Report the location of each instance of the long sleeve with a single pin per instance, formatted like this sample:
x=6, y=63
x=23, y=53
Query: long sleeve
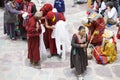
x=113, y=13
x=12, y=10
x=103, y=7
x=31, y=28
x=73, y=42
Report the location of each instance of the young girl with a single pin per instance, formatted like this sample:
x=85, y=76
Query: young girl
x=78, y=52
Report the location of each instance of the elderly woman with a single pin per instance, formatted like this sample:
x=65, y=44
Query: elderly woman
x=78, y=56
x=33, y=31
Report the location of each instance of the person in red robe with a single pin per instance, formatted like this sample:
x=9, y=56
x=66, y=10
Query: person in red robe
x=96, y=26
x=51, y=19
x=33, y=31
x=44, y=10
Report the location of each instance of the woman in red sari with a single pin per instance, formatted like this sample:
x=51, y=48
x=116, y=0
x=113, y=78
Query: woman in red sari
x=33, y=31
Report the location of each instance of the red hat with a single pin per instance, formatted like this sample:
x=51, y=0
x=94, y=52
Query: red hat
x=46, y=8
x=19, y=1
x=50, y=15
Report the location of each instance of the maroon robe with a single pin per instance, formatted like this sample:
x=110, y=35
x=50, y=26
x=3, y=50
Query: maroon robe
x=33, y=40
x=49, y=17
x=45, y=9
x=98, y=25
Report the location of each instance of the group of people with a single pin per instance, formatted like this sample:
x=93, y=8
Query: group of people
x=100, y=16
x=22, y=15
x=50, y=21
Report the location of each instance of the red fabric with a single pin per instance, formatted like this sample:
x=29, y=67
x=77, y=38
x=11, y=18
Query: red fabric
x=33, y=48
x=118, y=35
x=28, y=8
x=19, y=1
x=46, y=8
x=98, y=25
x=100, y=58
x=50, y=16
x=31, y=28
x=46, y=38
x=52, y=44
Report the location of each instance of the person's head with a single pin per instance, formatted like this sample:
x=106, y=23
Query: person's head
x=12, y=1
x=109, y=5
x=19, y=1
x=26, y=1
x=81, y=30
x=46, y=8
x=38, y=15
x=50, y=17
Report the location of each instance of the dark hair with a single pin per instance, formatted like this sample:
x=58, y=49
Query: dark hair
x=28, y=0
x=81, y=27
x=110, y=4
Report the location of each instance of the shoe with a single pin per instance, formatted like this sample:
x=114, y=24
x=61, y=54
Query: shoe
x=49, y=56
x=13, y=38
x=60, y=56
x=80, y=78
x=37, y=65
x=31, y=61
x=23, y=38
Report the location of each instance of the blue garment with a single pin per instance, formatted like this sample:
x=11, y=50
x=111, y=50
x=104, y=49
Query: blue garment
x=59, y=5
x=109, y=25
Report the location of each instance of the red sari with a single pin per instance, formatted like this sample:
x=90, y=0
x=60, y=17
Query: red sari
x=49, y=16
x=33, y=40
x=98, y=25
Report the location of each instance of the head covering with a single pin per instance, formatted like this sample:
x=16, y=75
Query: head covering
x=94, y=16
x=50, y=16
x=19, y=1
x=108, y=34
x=46, y=8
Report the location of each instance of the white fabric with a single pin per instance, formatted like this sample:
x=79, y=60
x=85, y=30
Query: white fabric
x=42, y=45
x=24, y=15
x=112, y=13
x=54, y=10
x=103, y=6
x=60, y=33
x=94, y=5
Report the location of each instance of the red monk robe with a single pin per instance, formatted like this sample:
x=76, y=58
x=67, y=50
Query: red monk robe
x=52, y=18
x=45, y=9
x=98, y=25
x=33, y=39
